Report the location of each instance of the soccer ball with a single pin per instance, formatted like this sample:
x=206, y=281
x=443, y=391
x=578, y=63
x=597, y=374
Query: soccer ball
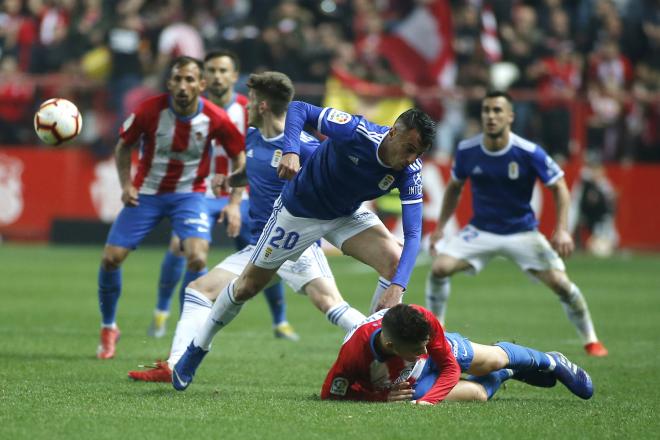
x=57, y=121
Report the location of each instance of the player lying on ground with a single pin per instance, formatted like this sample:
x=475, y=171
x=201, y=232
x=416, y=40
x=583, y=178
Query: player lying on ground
x=269, y=95
x=359, y=161
x=403, y=354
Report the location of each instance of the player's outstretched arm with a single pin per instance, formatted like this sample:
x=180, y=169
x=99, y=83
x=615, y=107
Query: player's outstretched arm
x=561, y=240
x=129, y=194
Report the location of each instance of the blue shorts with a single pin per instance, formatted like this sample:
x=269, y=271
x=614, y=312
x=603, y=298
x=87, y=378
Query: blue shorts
x=213, y=208
x=187, y=213
x=462, y=349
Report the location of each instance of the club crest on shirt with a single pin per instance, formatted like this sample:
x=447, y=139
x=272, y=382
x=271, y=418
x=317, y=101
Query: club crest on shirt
x=339, y=386
x=514, y=171
x=128, y=122
x=277, y=158
x=339, y=117
x=386, y=182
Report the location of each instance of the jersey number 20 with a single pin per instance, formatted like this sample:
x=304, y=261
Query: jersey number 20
x=290, y=239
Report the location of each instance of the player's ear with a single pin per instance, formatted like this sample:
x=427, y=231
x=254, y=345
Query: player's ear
x=202, y=84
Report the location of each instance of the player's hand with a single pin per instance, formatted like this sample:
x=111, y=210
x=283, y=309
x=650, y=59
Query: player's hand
x=390, y=298
x=400, y=392
x=562, y=242
x=289, y=166
x=435, y=237
x=422, y=403
x=129, y=196
x=219, y=184
x=232, y=213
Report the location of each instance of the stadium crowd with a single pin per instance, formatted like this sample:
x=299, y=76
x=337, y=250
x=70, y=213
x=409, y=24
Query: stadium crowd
x=584, y=66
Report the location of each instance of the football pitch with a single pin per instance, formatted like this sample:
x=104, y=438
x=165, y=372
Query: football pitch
x=252, y=386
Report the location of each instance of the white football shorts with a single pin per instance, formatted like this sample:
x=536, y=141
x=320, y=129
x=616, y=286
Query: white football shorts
x=285, y=237
x=529, y=250
x=311, y=265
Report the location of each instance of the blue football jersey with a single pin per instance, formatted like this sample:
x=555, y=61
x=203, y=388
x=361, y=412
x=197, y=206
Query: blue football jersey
x=502, y=182
x=345, y=170
x=263, y=156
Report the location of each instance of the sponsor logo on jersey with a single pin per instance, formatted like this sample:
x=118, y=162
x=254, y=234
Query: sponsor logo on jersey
x=338, y=117
x=514, y=170
x=128, y=122
x=354, y=159
x=386, y=182
x=250, y=153
x=477, y=170
x=339, y=386
x=277, y=158
x=199, y=136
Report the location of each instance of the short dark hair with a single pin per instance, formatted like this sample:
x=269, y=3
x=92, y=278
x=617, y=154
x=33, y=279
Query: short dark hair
x=406, y=324
x=420, y=121
x=274, y=87
x=217, y=53
x=184, y=61
x=499, y=94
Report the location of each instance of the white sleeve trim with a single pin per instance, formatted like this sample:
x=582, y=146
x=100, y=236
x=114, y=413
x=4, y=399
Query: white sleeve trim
x=554, y=179
x=411, y=202
x=318, y=123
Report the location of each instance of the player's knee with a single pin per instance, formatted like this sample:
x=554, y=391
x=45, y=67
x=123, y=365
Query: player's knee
x=480, y=394
x=112, y=260
x=440, y=269
x=197, y=262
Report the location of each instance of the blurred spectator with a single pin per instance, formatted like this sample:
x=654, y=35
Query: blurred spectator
x=559, y=78
x=181, y=37
x=644, y=119
x=18, y=33
x=594, y=201
x=17, y=95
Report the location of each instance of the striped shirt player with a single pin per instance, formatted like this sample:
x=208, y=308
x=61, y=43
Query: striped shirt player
x=361, y=373
x=174, y=162
x=237, y=112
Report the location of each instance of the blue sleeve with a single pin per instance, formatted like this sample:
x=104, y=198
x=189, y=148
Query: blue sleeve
x=298, y=114
x=307, y=147
x=412, y=236
x=457, y=168
x=546, y=168
x=410, y=188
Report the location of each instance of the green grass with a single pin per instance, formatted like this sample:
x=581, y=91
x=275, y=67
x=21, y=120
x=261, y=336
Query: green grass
x=253, y=386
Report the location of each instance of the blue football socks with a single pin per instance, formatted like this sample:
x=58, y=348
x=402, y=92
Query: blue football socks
x=109, y=291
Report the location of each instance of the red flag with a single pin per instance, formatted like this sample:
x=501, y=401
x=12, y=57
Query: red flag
x=420, y=49
x=489, y=40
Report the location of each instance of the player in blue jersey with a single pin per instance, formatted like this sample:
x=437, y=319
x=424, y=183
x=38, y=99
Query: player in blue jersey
x=503, y=168
x=358, y=161
x=221, y=69
x=270, y=93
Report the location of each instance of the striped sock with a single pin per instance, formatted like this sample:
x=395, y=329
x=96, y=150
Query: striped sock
x=196, y=308
x=344, y=316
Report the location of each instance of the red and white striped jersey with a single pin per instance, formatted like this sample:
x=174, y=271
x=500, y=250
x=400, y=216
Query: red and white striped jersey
x=175, y=151
x=237, y=112
x=360, y=374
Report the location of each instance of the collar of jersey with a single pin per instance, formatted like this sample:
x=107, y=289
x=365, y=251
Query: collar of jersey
x=200, y=107
x=378, y=148
x=372, y=344
x=273, y=139
x=232, y=101
x=499, y=152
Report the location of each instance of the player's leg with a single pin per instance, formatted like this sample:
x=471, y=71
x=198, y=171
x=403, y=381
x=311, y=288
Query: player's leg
x=109, y=290
x=311, y=275
x=467, y=391
x=364, y=237
x=533, y=253
x=171, y=270
x=576, y=308
x=438, y=285
x=192, y=223
x=284, y=237
x=129, y=228
x=469, y=250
